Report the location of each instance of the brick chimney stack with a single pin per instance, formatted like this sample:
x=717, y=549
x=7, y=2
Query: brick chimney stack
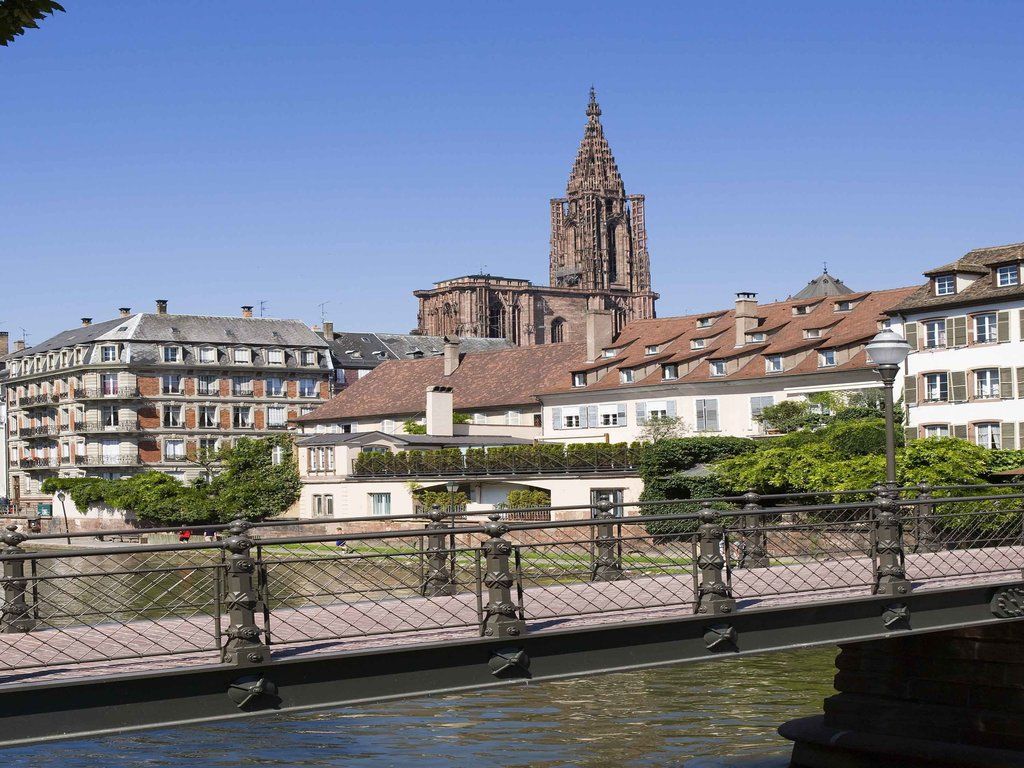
x=86, y=321
x=328, y=330
x=746, y=315
x=125, y=311
x=246, y=310
x=19, y=345
x=161, y=306
x=451, y=355
x=5, y=343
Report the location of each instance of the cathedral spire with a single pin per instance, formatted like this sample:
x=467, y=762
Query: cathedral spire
x=595, y=169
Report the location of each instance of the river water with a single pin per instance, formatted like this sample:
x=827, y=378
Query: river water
x=719, y=713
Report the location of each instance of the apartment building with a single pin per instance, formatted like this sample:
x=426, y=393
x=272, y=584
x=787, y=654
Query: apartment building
x=154, y=390
x=965, y=374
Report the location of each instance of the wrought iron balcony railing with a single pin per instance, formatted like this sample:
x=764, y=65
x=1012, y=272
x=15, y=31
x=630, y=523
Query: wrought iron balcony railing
x=91, y=426
x=110, y=460
x=36, y=463
x=100, y=393
x=45, y=430
x=34, y=401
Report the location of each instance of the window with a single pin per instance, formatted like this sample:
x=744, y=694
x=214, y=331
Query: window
x=936, y=430
x=275, y=357
x=172, y=354
x=610, y=352
x=320, y=459
x=934, y=334
x=579, y=379
x=670, y=371
x=241, y=386
x=570, y=418
x=756, y=336
x=275, y=387
x=207, y=385
x=172, y=416
x=108, y=353
x=812, y=333
x=208, y=417
x=108, y=383
x=170, y=384
x=773, y=364
x=277, y=455
x=174, y=450
x=626, y=376
x=657, y=409
x=241, y=355
x=557, y=330
x=207, y=355
x=276, y=416
x=698, y=343
x=208, y=446
x=380, y=503
x=986, y=329
x=1008, y=275
x=801, y=310
x=387, y=426
x=512, y=418
x=242, y=417
x=479, y=418
x=945, y=285
x=611, y=415
x=826, y=358
x=717, y=367
x=986, y=383
x=307, y=387
x=707, y=415
x=758, y=404
x=704, y=322
x=323, y=505
x=989, y=435
x=110, y=416
x=936, y=387
x=308, y=357
x=651, y=349
x=844, y=306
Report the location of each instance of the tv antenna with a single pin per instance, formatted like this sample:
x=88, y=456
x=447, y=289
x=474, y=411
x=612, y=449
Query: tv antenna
x=323, y=311
x=263, y=306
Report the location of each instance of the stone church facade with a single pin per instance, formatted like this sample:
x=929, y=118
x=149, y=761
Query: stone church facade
x=598, y=262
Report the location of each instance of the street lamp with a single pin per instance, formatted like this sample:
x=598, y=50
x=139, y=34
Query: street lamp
x=60, y=497
x=452, y=487
x=887, y=351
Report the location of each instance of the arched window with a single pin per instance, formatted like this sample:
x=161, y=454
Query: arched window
x=557, y=330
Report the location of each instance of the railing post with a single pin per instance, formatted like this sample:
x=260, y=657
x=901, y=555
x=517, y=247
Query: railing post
x=607, y=561
x=890, y=574
x=439, y=580
x=713, y=595
x=755, y=540
x=927, y=540
x=244, y=647
x=500, y=618
x=16, y=616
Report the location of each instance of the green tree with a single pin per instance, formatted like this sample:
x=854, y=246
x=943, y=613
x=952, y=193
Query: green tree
x=18, y=15
x=250, y=485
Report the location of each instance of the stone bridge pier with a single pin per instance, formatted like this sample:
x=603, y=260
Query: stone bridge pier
x=943, y=699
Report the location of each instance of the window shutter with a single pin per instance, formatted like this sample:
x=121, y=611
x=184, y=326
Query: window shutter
x=591, y=416
x=1020, y=382
x=1009, y=434
x=556, y=418
x=960, y=431
x=910, y=390
x=958, y=386
x=712, y=415
x=950, y=332
x=960, y=331
x=701, y=421
x=1020, y=319
x=621, y=414
x=670, y=408
x=910, y=332
x=1006, y=383
x=1003, y=326
x=909, y=433
x=641, y=413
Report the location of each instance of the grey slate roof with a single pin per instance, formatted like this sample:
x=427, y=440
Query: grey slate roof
x=367, y=350
x=821, y=286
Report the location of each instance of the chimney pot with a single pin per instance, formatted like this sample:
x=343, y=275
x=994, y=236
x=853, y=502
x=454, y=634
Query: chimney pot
x=246, y=310
x=86, y=321
x=161, y=306
x=125, y=311
x=451, y=354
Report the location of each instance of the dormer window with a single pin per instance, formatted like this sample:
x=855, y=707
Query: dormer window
x=812, y=333
x=826, y=358
x=308, y=357
x=773, y=364
x=172, y=354
x=705, y=322
x=801, y=310
x=241, y=355
x=579, y=379
x=626, y=376
x=612, y=352
x=275, y=356
x=717, y=367
x=945, y=285
x=108, y=353
x=670, y=371
x=698, y=343
x=207, y=355
x=844, y=306
x=757, y=336
x=1008, y=275
x=651, y=349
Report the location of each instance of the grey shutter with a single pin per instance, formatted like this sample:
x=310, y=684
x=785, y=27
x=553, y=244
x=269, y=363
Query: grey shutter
x=958, y=386
x=1003, y=326
x=960, y=431
x=1020, y=382
x=1008, y=431
x=960, y=331
x=591, y=416
x=909, y=433
x=641, y=413
x=1020, y=319
x=621, y=421
x=910, y=332
x=670, y=408
x=910, y=390
x=1006, y=383
x=712, y=415
x=950, y=332
x=556, y=417
x=701, y=421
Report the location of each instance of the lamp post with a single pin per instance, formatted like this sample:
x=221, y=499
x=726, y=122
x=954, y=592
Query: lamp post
x=887, y=351
x=60, y=497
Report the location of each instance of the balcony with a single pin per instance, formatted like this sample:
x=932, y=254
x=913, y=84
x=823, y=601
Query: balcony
x=43, y=431
x=36, y=401
x=106, y=393
x=91, y=426
x=241, y=391
x=277, y=426
x=108, y=460
x=37, y=463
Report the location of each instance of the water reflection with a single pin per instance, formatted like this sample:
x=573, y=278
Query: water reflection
x=654, y=718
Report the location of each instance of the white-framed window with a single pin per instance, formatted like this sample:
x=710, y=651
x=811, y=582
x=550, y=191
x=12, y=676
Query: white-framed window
x=698, y=343
x=241, y=355
x=380, y=504
x=612, y=352
x=308, y=357
x=705, y=322
x=276, y=416
x=651, y=349
x=512, y=418
x=844, y=305
x=773, y=364
x=307, y=387
x=209, y=445
x=108, y=353
x=657, y=409
x=826, y=358
x=207, y=355
x=1008, y=275
x=172, y=416
x=670, y=371
x=611, y=415
x=579, y=379
x=986, y=383
x=936, y=430
x=989, y=435
x=242, y=417
x=479, y=418
x=707, y=415
x=275, y=386
x=934, y=334
x=171, y=384
x=207, y=385
x=277, y=455
x=174, y=450
x=986, y=328
x=945, y=285
x=626, y=376
x=241, y=386
x=108, y=383
x=323, y=505
x=172, y=354
x=570, y=418
x=387, y=426
x=758, y=403
x=803, y=309
x=717, y=367
x=208, y=418
x=110, y=416
x=275, y=356
x=756, y=336
x=936, y=387
x=812, y=333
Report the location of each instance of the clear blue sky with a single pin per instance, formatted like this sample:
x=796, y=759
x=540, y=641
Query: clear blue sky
x=217, y=154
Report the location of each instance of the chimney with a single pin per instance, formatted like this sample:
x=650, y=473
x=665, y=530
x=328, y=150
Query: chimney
x=86, y=321
x=161, y=306
x=19, y=345
x=246, y=310
x=599, y=332
x=440, y=421
x=328, y=330
x=746, y=315
x=451, y=355
x=125, y=311
x=5, y=342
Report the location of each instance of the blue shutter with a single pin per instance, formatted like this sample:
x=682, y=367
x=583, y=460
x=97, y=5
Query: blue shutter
x=592, y=416
x=670, y=408
x=556, y=418
x=622, y=414
x=641, y=413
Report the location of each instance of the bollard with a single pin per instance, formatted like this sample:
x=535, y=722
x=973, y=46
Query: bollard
x=608, y=557
x=244, y=647
x=890, y=574
x=500, y=617
x=713, y=595
x=927, y=540
x=755, y=543
x=16, y=616
x=439, y=580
